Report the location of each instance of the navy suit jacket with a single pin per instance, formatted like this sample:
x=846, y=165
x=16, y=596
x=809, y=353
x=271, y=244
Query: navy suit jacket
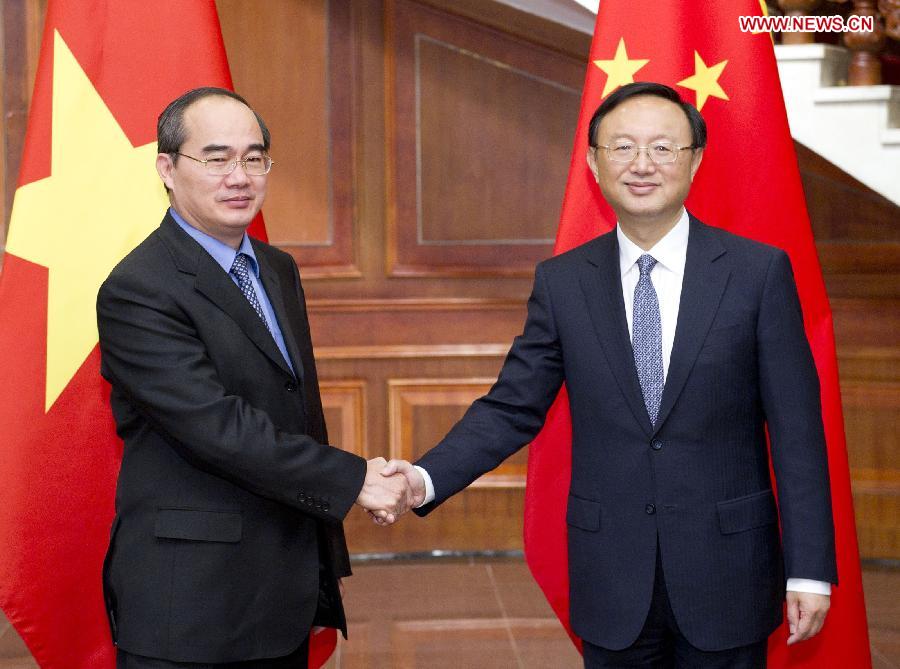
x=227, y=541
x=696, y=485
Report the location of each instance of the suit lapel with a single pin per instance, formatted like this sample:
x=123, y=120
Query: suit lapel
x=272, y=283
x=701, y=291
x=217, y=286
x=601, y=283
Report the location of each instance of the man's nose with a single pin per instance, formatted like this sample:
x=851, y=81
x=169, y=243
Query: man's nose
x=238, y=175
x=642, y=162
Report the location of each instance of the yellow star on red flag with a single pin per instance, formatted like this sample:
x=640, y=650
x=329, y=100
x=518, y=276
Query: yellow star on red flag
x=620, y=70
x=705, y=81
x=102, y=197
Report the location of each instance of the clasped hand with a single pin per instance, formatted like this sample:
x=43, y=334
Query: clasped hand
x=390, y=489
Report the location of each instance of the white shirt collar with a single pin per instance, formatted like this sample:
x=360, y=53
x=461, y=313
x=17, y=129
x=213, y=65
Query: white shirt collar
x=670, y=251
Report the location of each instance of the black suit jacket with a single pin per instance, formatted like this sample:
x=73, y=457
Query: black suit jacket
x=697, y=483
x=227, y=537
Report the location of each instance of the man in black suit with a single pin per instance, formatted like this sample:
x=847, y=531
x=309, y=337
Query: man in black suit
x=227, y=545
x=680, y=345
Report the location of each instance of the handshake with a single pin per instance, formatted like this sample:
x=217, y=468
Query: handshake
x=390, y=490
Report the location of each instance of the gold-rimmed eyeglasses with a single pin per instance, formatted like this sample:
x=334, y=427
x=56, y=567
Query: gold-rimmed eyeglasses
x=661, y=153
x=255, y=165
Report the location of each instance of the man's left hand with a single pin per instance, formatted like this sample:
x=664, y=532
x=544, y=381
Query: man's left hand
x=806, y=614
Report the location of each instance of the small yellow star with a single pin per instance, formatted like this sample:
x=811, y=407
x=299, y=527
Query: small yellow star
x=764, y=8
x=620, y=70
x=705, y=81
x=102, y=197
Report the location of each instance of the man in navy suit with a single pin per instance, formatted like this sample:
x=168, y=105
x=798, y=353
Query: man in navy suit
x=680, y=345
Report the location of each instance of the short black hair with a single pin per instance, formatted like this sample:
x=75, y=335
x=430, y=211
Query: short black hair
x=628, y=91
x=170, y=133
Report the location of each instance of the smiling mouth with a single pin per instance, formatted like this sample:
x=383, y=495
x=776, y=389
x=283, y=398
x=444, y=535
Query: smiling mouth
x=641, y=187
x=238, y=201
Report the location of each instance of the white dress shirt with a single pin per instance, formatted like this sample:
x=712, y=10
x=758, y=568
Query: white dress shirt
x=667, y=277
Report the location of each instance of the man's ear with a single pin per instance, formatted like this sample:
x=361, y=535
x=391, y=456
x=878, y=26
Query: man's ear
x=592, y=163
x=696, y=159
x=165, y=168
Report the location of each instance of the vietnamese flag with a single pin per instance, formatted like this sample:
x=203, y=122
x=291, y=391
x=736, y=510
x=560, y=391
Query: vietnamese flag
x=749, y=184
x=88, y=193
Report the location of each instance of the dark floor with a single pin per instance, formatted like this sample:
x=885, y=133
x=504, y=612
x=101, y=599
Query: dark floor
x=485, y=613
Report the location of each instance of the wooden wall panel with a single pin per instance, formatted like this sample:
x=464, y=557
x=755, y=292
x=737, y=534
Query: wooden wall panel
x=11, y=644
x=479, y=122
x=438, y=384
x=429, y=322
x=22, y=24
x=422, y=411
x=480, y=129
x=305, y=101
x=344, y=405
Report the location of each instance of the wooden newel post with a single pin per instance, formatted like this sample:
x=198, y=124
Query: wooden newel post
x=798, y=8
x=890, y=10
x=865, y=66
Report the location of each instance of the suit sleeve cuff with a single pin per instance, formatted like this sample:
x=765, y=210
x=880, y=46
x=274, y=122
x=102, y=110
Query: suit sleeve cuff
x=429, y=487
x=808, y=585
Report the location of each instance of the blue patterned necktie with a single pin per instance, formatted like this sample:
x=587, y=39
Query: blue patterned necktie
x=241, y=271
x=646, y=338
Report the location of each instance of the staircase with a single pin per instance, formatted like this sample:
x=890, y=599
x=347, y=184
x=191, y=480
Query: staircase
x=857, y=128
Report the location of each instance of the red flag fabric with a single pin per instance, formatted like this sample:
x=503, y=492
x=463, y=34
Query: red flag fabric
x=88, y=193
x=749, y=184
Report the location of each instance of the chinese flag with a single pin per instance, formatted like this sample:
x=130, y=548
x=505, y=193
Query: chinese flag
x=749, y=184
x=88, y=193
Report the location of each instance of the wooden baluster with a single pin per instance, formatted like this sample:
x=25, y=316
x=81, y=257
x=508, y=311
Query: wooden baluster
x=865, y=66
x=890, y=10
x=798, y=8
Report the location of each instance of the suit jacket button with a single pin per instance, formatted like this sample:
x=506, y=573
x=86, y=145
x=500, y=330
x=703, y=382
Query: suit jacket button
x=301, y=496
x=650, y=509
x=290, y=386
x=656, y=444
x=325, y=506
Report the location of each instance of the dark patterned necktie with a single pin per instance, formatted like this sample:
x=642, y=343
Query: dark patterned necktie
x=646, y=338
x=241, y=271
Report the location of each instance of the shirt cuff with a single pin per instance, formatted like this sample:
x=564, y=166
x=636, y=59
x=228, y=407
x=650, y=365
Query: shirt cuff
x=808, y=585
x=429, y=487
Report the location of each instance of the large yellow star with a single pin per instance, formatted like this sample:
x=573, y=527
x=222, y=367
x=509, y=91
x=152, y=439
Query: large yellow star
x=705, y=80
x=102, y=197
x=620, y=70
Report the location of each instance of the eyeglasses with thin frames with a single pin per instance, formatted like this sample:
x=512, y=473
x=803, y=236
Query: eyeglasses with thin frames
x=661, y=153
x=256, y=165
